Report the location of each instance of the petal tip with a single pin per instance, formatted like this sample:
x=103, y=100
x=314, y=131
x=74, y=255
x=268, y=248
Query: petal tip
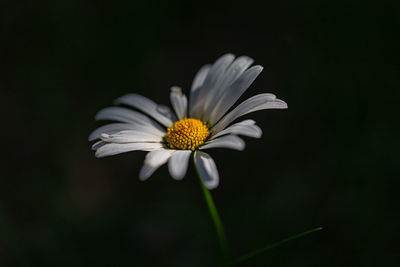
x=176, y=89
x=211, y=186
x=283, y=104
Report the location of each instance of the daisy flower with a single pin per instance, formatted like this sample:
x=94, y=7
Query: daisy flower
x=194, y=126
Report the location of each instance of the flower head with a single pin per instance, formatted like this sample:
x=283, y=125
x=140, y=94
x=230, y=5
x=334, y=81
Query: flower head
x=187, y=134
x=203, y=123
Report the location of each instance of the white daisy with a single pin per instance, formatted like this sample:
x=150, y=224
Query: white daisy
x=203, y=123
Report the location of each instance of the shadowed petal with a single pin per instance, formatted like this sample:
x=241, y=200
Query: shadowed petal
x=113, y=128
x=196, y=87
x=123, y=115
x=233, y=72
x=109, y=128
x=179, y=102
x=210, y=82
x=178, y=163
x=109, y=149
x=153, y=161
x=232, y=94
x=246, y=128
x=98, y=144
x=130, y=136
x=207, y=169
x=255, y=103
x=159, y=112
x=227, y=141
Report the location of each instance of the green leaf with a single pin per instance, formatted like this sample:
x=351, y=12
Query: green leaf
x=262, y=250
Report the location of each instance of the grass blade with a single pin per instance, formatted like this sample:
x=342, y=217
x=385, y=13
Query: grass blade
x=257, y=252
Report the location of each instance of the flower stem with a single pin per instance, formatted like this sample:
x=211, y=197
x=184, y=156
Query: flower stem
x=216, y=220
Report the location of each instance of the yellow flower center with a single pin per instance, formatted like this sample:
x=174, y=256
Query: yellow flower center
x=186, y=134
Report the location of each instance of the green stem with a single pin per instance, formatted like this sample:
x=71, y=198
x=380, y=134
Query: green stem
x=264, y=249
x=216, y=220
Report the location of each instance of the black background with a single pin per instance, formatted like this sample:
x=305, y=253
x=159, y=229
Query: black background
x=330, y=160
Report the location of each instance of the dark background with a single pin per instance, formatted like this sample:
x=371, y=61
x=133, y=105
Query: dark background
x=330, y=160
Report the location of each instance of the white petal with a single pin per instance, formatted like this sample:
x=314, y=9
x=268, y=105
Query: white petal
x=128, y=116
x=178, y=163
x=232, y=94
x=146, y=171
x=153, y=161
x=255, y=103
x=207, y=169
x=179, y=102
x=227, y=141
x=196, y=86
x=157, y=157
x=121, y=114
x=130, y=136
x=110, y=149
x=246, y=128
x=216, y=72
x=159, y=112
x=118, y=127
x=98, y=144
x=108, y=128
x=234, y=71
x=210, y=82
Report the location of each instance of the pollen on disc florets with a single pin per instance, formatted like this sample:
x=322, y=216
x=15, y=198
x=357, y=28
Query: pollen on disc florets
x=187, y=134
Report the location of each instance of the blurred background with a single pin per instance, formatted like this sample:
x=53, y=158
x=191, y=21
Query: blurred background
x=330, y=160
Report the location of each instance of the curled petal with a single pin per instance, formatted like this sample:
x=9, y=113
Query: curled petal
x=207, y=169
